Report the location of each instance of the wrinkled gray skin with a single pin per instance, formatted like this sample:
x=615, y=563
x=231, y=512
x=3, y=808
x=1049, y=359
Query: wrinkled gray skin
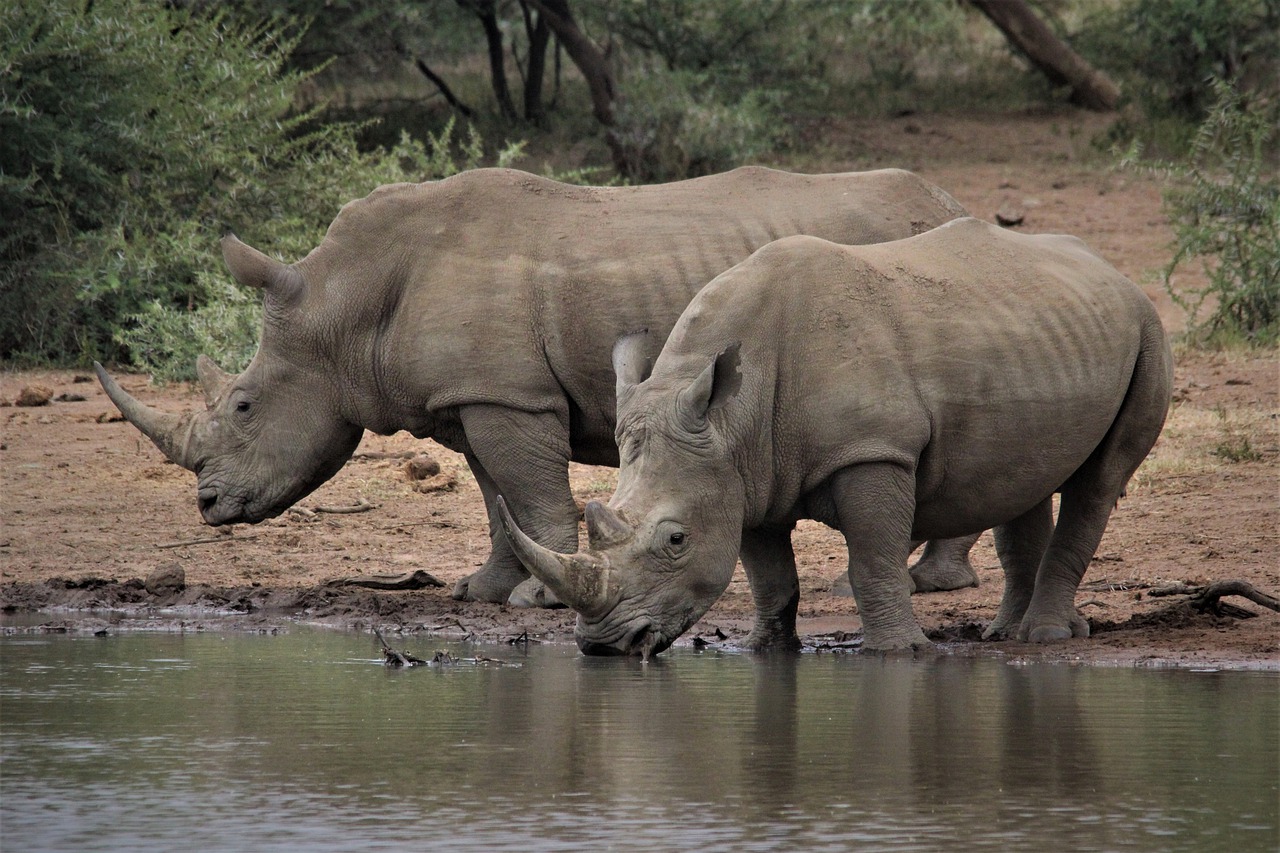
x=920, y=389
x=480, y=311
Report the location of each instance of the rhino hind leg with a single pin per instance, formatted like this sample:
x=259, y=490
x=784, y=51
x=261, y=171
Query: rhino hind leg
x=1020, y=545
x=1091, y=493
x=525, y=458
x=875, y=504
x=770, y=565
x=944, y=565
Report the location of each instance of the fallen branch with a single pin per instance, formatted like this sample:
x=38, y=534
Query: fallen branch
x=1207, y=598
x=447, y=524
x=395, y=657
x=385, y=454
x=361, y=505
x=206, y=540
x=419, y=579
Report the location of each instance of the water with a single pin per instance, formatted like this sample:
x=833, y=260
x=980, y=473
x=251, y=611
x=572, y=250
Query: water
x=305, y=742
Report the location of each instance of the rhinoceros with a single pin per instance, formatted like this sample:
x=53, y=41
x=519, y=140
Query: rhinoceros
x=922, y=388
x=480, y=311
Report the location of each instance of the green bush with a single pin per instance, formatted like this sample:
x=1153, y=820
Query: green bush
x=133, y=135
x=1224, y=203
x=1165, y=53
x=675, y=125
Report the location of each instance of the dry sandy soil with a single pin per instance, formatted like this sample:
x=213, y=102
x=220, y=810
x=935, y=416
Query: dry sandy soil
x=88, y=506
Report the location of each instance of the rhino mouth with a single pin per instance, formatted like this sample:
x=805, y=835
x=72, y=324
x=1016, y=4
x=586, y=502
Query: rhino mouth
x=641, y=640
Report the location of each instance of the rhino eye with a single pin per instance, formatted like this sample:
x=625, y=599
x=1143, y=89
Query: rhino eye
x=242, y=406
x=677, y=538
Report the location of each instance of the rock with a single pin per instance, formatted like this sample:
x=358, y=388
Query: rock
x=1010, y=215
x=168, y=578
x=421, y=467
x=34, y=395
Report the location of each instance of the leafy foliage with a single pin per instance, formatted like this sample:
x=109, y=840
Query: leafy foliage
x=1224, y=201
x=1165, y=53
x=132, y=136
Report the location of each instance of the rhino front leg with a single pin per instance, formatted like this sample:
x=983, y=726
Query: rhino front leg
x=875, y=504
x=770, y=564
x=1020, y=545
x=525, y=458
x=944, y=565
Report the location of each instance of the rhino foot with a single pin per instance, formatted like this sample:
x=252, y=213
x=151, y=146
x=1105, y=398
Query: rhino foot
x=490, y=583
x=1053, y=631
x=772, y=638
x=533, y=593
x=945, y=566
x=903, y=639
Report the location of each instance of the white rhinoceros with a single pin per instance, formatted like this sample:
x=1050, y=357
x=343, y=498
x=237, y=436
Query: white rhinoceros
x=924, y=388
x=480, y=311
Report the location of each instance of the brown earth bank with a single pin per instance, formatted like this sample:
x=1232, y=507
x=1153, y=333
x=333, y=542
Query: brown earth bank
x=90, y=510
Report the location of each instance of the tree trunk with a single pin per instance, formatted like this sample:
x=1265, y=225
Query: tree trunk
x=593, y=64
x=1090, y=88
x=539, y=37
x=486, y=11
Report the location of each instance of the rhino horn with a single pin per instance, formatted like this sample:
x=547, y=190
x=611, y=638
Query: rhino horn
x=171, y=433
x=212, y=378
x=578, y=580
x=254, y=269
x=605, y=528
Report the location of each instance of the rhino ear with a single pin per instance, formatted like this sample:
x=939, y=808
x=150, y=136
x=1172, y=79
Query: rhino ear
x=254, y=269
x=715, y=386
x=631, y=360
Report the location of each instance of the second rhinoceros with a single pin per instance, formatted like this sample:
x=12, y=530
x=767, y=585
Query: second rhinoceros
x=929, y=387
x=480, y=311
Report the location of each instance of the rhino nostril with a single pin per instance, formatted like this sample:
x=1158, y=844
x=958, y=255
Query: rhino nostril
x=206, y=498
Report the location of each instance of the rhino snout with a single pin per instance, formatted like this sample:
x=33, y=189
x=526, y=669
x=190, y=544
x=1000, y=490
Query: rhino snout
x=641, y=641
x=218, y=508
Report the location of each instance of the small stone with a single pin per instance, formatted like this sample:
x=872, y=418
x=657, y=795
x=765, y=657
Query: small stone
x=1010, y=215
x=168, y=578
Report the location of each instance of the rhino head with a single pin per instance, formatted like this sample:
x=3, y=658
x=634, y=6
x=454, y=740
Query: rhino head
x=664, y=549
x=269, y=436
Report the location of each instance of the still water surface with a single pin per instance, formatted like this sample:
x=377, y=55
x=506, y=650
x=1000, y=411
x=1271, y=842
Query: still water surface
x=305, y=742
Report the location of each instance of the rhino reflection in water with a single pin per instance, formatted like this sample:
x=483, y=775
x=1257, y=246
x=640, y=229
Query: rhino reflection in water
x=929, y=387
x=480, y=311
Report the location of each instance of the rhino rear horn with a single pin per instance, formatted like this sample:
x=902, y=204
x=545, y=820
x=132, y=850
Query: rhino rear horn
x=171, y=433
x=605, y=528
x=579, y=580
x=213, y=379
x=254, y=269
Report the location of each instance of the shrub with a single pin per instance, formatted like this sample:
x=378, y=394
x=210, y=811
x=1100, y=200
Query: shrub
x=1224, y=203
x=1165, y=53
x=675, y=125
x=133, y=136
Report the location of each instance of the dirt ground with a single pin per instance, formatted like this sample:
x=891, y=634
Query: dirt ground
x=89, y=508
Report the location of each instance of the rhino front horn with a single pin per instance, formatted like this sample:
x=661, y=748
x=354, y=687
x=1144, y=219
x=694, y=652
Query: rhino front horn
x=579, y=580
x=170, y=433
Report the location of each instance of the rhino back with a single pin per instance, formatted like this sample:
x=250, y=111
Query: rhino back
x=988, y=361
x=500, y=286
